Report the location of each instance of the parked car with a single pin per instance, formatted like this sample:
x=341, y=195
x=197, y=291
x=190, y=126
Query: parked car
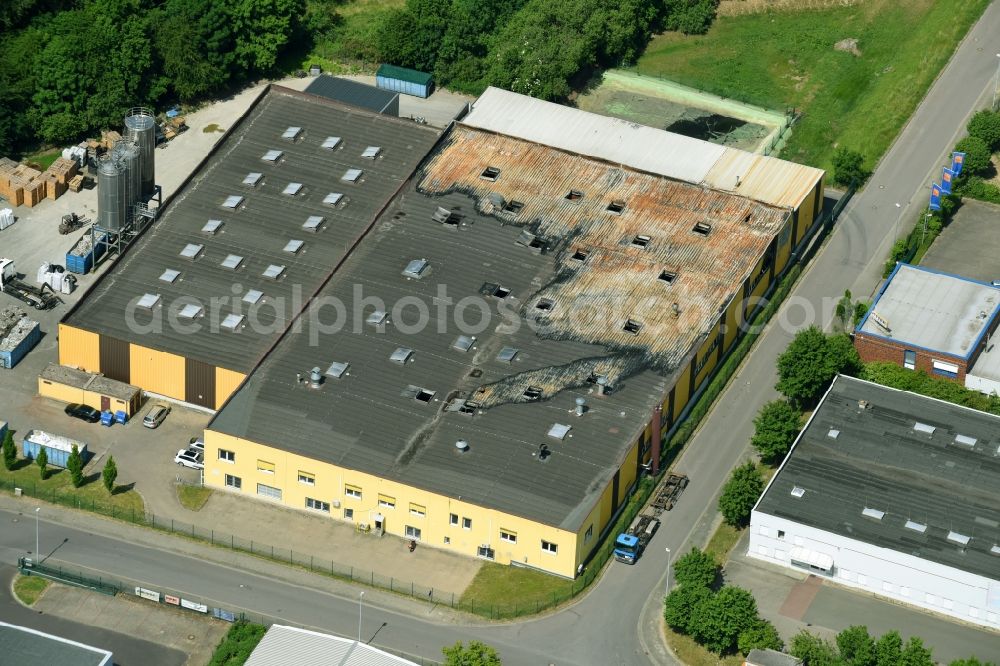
x=197, y=443
x=154, y=417
x=190, y=458
x=83, y=412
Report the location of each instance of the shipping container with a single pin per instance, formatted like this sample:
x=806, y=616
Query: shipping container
x=403, y=80
x=82, y=257
x=57, y=448
x=18, y=343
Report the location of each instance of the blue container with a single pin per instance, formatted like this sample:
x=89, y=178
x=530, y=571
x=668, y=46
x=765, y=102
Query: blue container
x=403, y=80
x=121, y=417
x=107, y=418
x=8, y=359
x=57, y=449
x=83, y=263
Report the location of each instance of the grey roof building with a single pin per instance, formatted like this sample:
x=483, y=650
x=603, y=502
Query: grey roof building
x=29, y=647
x=355, y=93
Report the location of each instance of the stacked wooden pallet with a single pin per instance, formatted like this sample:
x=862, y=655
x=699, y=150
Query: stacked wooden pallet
x=76, y=183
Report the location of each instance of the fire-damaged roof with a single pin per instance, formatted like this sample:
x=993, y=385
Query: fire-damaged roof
x=577, y=262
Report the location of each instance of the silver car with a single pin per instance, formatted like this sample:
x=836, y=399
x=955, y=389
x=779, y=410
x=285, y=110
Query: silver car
x=154, y=417
x=189, y=458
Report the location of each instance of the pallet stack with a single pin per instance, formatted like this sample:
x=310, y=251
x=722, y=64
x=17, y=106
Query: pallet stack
x=7, y=166
x=76, y=183
x=64, y=170
x=25, y=186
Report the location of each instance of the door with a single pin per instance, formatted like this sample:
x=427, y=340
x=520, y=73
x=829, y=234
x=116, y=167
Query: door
x=105, y=403
x=199, y=383
x=114, y=358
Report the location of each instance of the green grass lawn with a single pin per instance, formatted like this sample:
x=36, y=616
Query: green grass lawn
x=237, y=644
x=688, y=652
x=193, y=497
x=58, y=488
x=786, y=59
x=722, y=542
x=43, y=159
x=502, y=586
x=340, y=50
x=29, y=588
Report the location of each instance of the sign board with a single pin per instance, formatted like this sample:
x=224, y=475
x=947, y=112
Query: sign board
x=223, y=614
x=201, y=608
x=880, y=321
x=152, y=595
x=171, y=599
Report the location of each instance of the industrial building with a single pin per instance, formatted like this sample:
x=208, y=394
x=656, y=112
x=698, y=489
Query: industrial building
x=355, y=93
x=198, y=300
x=936, y=322
x=892, y=493
x=283, y=645
x=530, y=316
x=30, y=647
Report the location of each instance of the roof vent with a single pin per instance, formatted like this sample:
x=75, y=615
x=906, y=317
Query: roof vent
x=496, y=199
x=417, y=268
x=559, y=430
x=581, y=406
x=915, y=526
x=315, y=378
x=445, y=216
x=864, y=404
x=965, y=440
x=462, y=446
x=543, y=452
x=995, y=549
x=798, y=491
x=959, y=538
x=873, y=513
x=675, y=309
x=602, y=385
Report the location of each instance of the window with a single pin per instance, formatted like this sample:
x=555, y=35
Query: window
x=589, y=534
x=307, y=478
x=513, y=206
x=412, y=532
x=447, y=540
x=781, y=534
x=579, y=255
x=352, y=491
x=418, y=510
x=453, y=519
x=532, y=393
x=549, y=547
x=702, y=228
x=667, y=276
x=268, y=491
x=318, y=505
x=574, y=195
x=386, y=501
x=486, y=552
x=508, y=536
x=910, y=359
x=641, y=240
x=228, y=456
x=234, y=482
x=466, y=523
x=945, y=369
x=265, y=467
x=632, y=326
x=349, y=514
x=490, y=173
x=545, y=304
x=616, y=207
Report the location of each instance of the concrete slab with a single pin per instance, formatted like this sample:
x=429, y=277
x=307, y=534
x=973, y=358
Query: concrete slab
x=970, y=244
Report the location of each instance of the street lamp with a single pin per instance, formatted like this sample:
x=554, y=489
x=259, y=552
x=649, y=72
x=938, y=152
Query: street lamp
x=360, y=597
x=37, y=554
x=996, y=85
x=667, y=590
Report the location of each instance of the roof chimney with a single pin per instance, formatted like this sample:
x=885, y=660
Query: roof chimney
x=676, y=309
x=315, y=378
x=462, y=446
x=581, y=406
x=602, y=385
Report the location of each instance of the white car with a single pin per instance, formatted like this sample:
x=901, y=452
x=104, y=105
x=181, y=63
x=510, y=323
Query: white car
x=198, y=444
x=190, y=458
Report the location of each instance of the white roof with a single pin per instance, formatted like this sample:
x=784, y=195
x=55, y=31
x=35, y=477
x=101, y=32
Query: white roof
x=283, y=645
x=765, y=179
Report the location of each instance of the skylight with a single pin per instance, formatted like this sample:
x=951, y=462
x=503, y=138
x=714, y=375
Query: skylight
x=616, y=207
x=545, y=304
x=559, y=430
x=274, y=271
x=149, y=301
x=272, y=156
x=232, y=201
x=667, y=277
x=873, y=513
x=833, y=433
x=190, y=311
x=191, y=250
x=293, y=246
x=632, y=326
x=170, y=275
x=376, y=317
x=915, y=526
x=573, y=195
x=371, y=152
x=232, y=261
x=798, y=492
x=252, y=179
x=702, y=228
x=313, y=223
x=579, y=255
x=232, y=322
x=401, y=355
x=252, y=296
x=331, y=142
x=923, y=427
x=416, y=269
x=212, y=227
x=490, y=173
x=333, y=198
x=513, y=206
x=507, y=354
x=957, y=537
x=965, y=440
x=463, y=343
x=292, y=189
x=337, y=369
x=291, y=133
x=641, y=241
x=351, y=175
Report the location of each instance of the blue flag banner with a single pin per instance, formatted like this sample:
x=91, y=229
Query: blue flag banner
x=957, y=162
x=935, y=203
x=947, y=175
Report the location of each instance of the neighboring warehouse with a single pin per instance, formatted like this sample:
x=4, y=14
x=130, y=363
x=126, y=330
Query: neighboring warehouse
x=29, y=647
x=355, y=94
x=193, y=306
x=923, y=319
x=283, y=645
x=615, y=263
x=893, y=493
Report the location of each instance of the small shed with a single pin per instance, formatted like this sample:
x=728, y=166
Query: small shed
x=66, y=384
x=403, y=80
x=57, y=448
x=18, y=336
x=357, y=94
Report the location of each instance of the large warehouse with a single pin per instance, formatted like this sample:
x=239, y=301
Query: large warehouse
x=503, y=352
x=892, y=493
x=196, y=303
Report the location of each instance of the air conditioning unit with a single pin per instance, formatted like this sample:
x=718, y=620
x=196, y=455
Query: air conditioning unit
x=336, y=504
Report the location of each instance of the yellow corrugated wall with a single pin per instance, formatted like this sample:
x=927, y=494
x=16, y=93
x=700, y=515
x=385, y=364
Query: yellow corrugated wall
x=79, y=348
x=226, y=382
x=57, y=391
x=156, y=371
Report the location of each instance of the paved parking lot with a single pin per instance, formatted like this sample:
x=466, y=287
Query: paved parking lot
x=971, y=243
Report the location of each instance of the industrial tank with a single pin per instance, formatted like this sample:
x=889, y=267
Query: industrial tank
x=126, y=154
x=140, y=129
x=111, y=193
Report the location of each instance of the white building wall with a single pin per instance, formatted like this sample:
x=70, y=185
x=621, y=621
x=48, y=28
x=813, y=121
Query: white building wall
x=883, y=571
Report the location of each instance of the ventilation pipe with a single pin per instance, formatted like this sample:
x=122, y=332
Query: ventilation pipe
x=315, y=378
x=581, y=406
x=462, y=446
x=602, y=385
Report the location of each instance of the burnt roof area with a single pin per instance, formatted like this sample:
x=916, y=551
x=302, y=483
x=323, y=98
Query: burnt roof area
x=899, y=471
x=490, y=297
x=246, y=212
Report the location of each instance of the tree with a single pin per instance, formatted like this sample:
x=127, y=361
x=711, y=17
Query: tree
x=760, y=636
x=194, y=43
x=915, y=654
x=971, y=661
x=42, y=460
x=692, y=17
x=889, y=649
x=75, y=466
x=848, y=167
x=109, y=474
x=857, y=648
x=977, y=155
x=697, y=569
x=740, y=494
x=475, y=654
x=411, y=36
x=813, y=650
x=775, y=429
x=718, y=621
x=679, y=606
x=9, y=451
x=261, y=29
x=811, y=361
x=986, y=126
x=860, y=310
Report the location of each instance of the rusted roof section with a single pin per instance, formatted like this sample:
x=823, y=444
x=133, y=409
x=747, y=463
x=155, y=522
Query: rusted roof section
x=642, y=282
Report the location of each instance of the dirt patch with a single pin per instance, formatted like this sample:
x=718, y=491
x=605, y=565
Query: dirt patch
x=849, y=45
x=743, y=7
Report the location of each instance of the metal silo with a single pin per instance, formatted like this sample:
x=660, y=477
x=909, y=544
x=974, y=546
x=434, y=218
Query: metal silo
x=140, y=129
x=111, y=193
x=126, y=154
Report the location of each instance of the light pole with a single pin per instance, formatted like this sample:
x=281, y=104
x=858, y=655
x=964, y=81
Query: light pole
x=360, y=597
x=37, y=554
x=996, y=85
x=667, y=590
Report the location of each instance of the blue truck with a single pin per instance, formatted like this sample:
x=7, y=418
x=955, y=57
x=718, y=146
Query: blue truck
x=630, y=544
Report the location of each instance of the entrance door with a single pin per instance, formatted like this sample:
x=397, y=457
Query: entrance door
x=105, y=403
x=379, y=523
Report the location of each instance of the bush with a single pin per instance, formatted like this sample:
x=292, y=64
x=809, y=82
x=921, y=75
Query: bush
x=237, y=644
x=985, y=125
x=9, y=451
x=692, y=17
x=977, y=155
x=679, y=606
x=740, y=493
x=696, y=569
x=848, y=167
x=718, y=621
x=975, y=187
x=811, y=362
x=776, y=426
x=475, y=654
x=761, y=636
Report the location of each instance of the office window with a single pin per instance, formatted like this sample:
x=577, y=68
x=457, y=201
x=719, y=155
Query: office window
x=349, y=514
x=589, y=534
x=268, y=491
x=910, y=359
x=412, y=532
x=466, y=523
x=550, y=547
x=317, y=505
x=453, y=519
x=265, y=467
x=386, y=501
x=946, y=369
x=228, y=456
x=352, y=491
x=508, y=536
x=418, y=510
x=234, y=482
x=307, y=478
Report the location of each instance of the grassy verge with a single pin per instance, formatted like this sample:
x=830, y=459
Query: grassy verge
x=29, y=588
x=497, y=585
x=58, y=489
x=42, y=160
x=786, y=59
x=192, y=498
x=722, y=542
x=691, y=654
x=237, y=644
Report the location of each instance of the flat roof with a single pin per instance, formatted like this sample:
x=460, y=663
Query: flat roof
x=404, y=74
x=352, y=92
x=766, y=179
x=457, y=236
x=932, y=310
x=90, y=381
x=929, y=468
x=257, y=230
x=283, y=645
x=30, y=647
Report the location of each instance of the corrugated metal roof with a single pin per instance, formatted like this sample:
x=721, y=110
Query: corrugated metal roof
x=352, y=92
x=404, y=74
x=282, y=646
x=765, y=179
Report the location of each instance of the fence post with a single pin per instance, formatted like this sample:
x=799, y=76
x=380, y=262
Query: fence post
x=232, y=542
x=171, y=525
